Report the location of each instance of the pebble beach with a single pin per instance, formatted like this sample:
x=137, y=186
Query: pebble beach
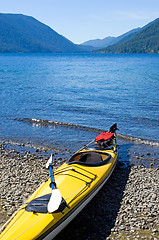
x=126, y=207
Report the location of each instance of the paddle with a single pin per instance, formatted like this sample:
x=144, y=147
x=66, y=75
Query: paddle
x=55, y=199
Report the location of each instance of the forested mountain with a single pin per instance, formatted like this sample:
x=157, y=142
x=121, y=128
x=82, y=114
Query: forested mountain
x=102, y=43
x=25, y=34
x=20, y=33
x=99, y=43
x=145, y=41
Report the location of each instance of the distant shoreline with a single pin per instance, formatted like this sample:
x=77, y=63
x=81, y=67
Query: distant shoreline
x=29, y=53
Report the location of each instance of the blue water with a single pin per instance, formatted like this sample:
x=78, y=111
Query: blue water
x=85, y=90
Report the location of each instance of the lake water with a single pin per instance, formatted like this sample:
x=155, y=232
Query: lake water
x=78, y=94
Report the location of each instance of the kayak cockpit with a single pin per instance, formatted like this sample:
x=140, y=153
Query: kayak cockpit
x=89, y=158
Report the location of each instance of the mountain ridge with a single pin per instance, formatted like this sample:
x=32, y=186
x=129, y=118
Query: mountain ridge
x=98, y=42
x=144, y=41
x=21, y=33
x=24, y=34
x=107, y=41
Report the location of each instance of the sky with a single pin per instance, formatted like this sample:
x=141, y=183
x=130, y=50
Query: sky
x=83, y=20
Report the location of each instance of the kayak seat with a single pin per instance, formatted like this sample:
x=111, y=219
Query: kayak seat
x=90, y=157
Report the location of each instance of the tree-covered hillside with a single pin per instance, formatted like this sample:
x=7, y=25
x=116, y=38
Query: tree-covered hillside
x=103, y=43
x=146, y=41
x=20, y=33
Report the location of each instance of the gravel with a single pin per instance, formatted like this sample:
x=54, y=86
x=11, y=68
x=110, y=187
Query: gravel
x=126, y=207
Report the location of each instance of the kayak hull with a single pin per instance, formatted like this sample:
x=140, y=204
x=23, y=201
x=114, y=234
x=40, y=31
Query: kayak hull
x=78, y=181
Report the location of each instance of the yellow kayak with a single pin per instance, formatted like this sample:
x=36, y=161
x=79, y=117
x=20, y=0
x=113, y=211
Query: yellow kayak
x=75, y=183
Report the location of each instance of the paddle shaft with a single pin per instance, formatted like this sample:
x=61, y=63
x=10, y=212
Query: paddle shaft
x=52, y=184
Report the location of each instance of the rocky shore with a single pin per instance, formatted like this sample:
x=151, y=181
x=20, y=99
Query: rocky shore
x=127, y=206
